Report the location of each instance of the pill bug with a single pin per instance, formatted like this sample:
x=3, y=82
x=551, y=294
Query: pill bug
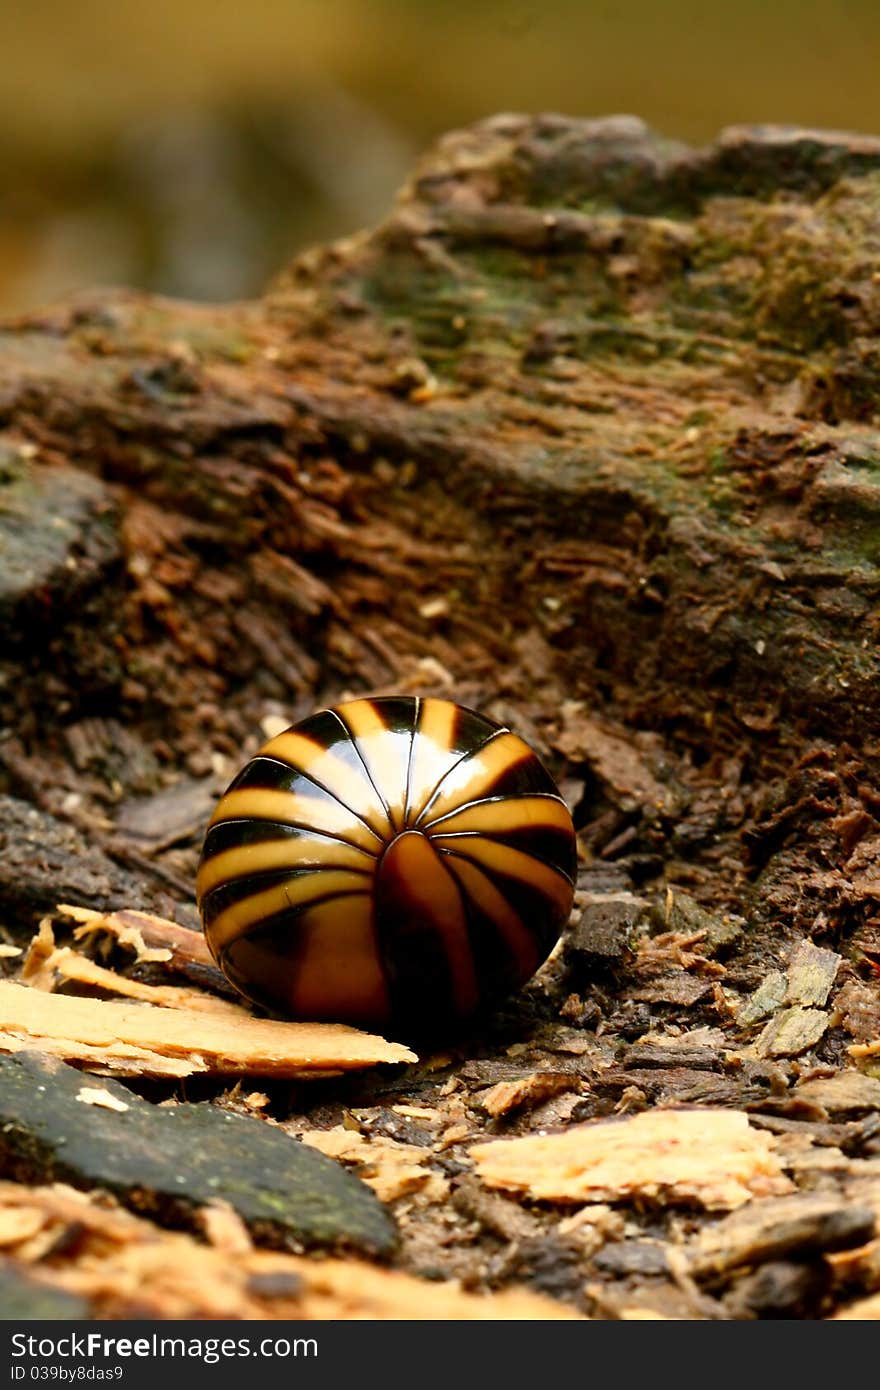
x=396, y=862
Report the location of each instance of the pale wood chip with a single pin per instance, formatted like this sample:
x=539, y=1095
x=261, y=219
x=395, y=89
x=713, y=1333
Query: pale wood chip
x=845, y=1091
x=154, y=938
x=643, y=1315
x=453, y=1134
x=859, y=1268
x=19, y=1224
x=37, y=970
x=128, y=1268
x=508, y=1096
x=66, y=964
x=224, y=1229
x=791, y=1031
x=598, y=1217
x=674, y=948
x=122, y=1060
x=811, y=973
x=865, y=1050
x=391, y=1168
x=710, y=1157
x=130, y=1038
x=8, y=952
x=95, y=1095
x=765, y=1000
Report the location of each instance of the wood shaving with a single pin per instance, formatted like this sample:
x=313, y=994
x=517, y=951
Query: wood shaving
x=508, y=1096
x=144, y=1040
x=128, y=1268
x=791, y=1031
x=392, y=1169
x=64, y=964
x=93, y=1095
x=153, y=938
x=712, y=1158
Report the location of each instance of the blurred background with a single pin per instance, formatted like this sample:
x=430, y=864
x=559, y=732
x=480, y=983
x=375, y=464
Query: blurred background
x=191, y=146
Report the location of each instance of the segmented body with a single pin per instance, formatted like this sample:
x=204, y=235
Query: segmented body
x=396, y=862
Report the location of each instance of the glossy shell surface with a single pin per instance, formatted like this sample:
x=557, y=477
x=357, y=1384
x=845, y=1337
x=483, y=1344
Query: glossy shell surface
x=391, y=863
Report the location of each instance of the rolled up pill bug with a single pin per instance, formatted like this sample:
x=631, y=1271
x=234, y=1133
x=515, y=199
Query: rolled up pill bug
x=397, y=863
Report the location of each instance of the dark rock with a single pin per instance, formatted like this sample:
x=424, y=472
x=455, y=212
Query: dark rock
x=167, y=1162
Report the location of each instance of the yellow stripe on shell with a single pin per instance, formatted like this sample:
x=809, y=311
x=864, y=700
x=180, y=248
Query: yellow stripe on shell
x=294, y=892
x=503, y=859
x=476, y=773
x=385, y=752
x=350, y=784
x=433, y=752
x=431, y=897
x=498, y=816
x=336, y=968
x=483, y=893
x=296, y=808
x=300, y=852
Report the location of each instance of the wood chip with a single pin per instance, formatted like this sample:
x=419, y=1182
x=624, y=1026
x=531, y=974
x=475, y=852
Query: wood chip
x=125, y=1267
x=675, y=988
x=765, y=1000
x=791, y=1032
x=802, y=1224
x=865, y=1052
x=528, y=1091
x=143, y=1040
x=710, y=1157
x=857, y=1009
x=65, y=964
x=859, y=1268
x=811, y=973
x=154, y=938
x=99, y=1095
x=392, y=1169
x=807, y=983
x=616, y=761
x=844, y=1092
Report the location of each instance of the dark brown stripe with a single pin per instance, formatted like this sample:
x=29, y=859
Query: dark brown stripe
x=545, y=916
x=419, y=906
x=549, y=846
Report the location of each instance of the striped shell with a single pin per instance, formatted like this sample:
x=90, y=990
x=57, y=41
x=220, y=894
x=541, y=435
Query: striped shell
x=395, y=862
